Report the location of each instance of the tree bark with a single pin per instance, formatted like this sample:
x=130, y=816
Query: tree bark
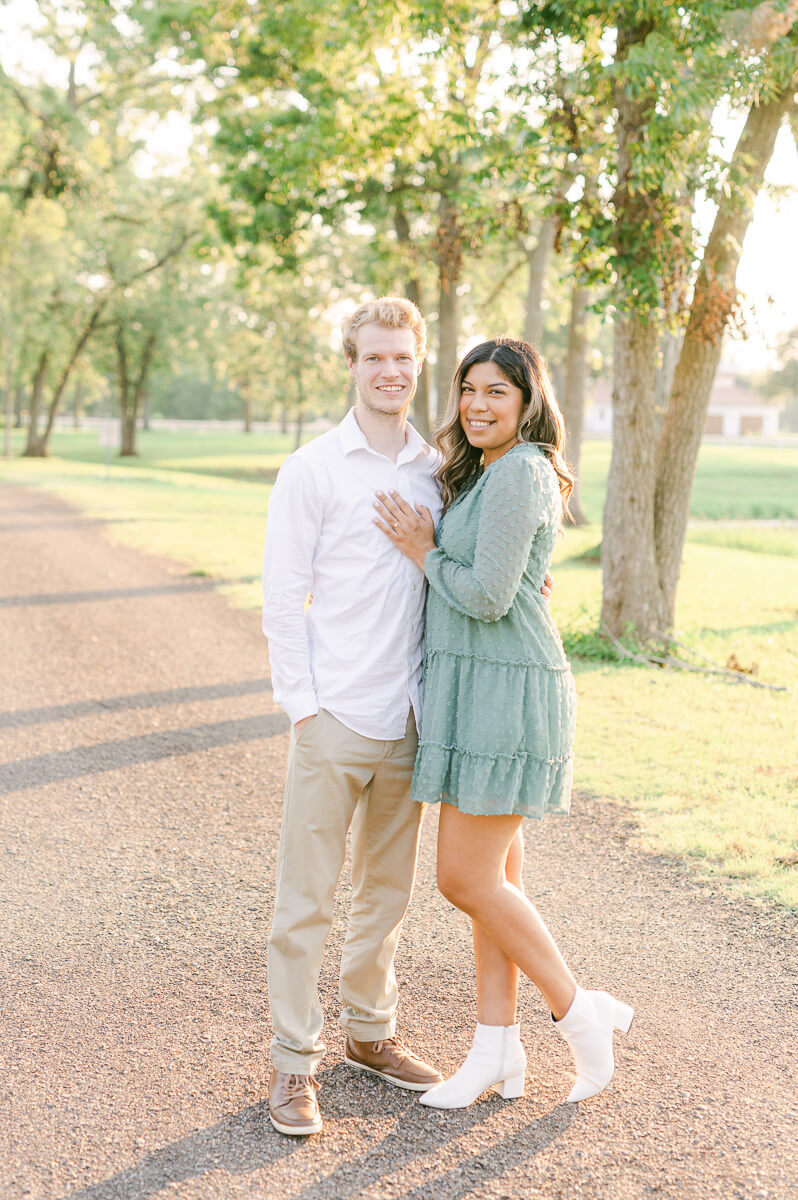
x=421, y=418
x=246, y=407
x=132, y=391
x=33, y=448
x=670, y=347
x=77, y=405
x=573, y=394
x=450, y=262
x=631, y=595
x=538, y=258
x=127, y=435
x=713, y=303
x=127, y=441
x=19, y=399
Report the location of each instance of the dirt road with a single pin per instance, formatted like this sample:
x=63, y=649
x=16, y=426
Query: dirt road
x=140, y=790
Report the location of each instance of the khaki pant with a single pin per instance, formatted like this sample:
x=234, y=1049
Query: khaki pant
x=337, y=778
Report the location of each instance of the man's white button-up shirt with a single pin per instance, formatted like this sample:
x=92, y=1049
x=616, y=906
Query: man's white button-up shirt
x=357, y=649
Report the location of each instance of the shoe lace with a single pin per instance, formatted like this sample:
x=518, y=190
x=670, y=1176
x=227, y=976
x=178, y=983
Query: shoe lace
x=394, y=1043
x=300, y=1085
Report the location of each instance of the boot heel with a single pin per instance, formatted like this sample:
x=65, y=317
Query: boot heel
x=511, y=1089
x=624, y=1015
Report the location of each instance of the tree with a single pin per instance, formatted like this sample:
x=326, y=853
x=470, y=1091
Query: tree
x=671, y=69
x=714, y=302
x=72, y=157
x=652, y=469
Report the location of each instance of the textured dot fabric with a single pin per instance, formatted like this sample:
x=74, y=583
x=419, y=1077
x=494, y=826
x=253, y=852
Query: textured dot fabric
x=499, y=696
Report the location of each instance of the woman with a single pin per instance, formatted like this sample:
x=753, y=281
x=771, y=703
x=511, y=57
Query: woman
x=497, y=733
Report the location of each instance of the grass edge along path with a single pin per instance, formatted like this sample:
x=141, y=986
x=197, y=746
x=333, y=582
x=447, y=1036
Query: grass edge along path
x=706, y=767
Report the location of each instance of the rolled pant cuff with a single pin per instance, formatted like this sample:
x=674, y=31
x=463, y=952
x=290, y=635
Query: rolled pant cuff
x=289, y=1062
x=368, y=1031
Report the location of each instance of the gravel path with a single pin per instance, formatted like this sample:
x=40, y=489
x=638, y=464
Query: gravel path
x=140, y=785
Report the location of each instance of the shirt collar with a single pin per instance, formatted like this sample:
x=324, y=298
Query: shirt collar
x=352, y=438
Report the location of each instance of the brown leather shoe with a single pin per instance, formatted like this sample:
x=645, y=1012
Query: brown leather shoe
x=293, y=1106
x=393, y=1062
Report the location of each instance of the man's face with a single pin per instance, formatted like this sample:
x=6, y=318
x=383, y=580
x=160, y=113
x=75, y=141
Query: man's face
x=386, y=369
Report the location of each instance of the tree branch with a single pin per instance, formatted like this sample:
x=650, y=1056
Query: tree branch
x=654, y=660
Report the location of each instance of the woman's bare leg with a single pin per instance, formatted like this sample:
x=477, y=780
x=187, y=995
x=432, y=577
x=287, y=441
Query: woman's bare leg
x=472, y=857
x=497, y=975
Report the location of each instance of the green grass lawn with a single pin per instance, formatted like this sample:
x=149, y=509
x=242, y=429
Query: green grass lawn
x=708, y=767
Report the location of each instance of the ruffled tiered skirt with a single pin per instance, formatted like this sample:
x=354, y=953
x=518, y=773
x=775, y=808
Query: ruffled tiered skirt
x=497, y=736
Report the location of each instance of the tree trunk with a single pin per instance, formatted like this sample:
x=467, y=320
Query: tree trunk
x=413, y=292
x=421, y=399
x=19, y=399
x=284, y=418
x=670, y=347
x=35, y=447
x=88, y=329
x=421, y=418
x=132, y=392
x=450, y=262
x=77, y=398
x=631, y=595
x=538, y=258
x=713, y=302
x=573, y=393
x=246, y=404
x=127, y=441
x=300, y=421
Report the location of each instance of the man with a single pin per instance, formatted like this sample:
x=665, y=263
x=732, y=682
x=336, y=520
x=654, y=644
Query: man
x=347, y=670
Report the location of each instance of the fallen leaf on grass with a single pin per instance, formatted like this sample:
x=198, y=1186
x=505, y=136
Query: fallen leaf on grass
x=733, y=664
x=788, y=860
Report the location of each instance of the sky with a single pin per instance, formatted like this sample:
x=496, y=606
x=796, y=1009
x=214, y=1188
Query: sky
x=768, y=272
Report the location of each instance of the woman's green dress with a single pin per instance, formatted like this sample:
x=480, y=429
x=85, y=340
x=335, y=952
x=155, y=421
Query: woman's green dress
x=499, y=698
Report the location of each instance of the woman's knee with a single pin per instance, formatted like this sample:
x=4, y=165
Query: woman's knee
x=450, y=883
x=463, y=889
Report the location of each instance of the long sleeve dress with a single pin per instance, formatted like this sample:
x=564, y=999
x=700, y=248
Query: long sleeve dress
x=499, y=697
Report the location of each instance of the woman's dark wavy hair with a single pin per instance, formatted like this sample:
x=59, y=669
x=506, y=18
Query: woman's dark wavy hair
x=541, y=421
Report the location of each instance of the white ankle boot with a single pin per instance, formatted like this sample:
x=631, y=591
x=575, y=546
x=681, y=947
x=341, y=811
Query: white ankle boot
x=587, y=1028
x=496, y=1059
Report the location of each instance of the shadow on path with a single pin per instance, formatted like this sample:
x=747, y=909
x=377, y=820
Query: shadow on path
x=42, y=769
x=245, y=1142
x=159, y=589
x=63, y=522
x=85, y=708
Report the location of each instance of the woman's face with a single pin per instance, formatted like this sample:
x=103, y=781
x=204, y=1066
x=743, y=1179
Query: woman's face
x=490, y=410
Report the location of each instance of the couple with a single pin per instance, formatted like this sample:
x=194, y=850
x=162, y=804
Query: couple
x=354, y=521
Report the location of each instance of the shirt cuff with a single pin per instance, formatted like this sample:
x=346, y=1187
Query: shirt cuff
x=300, y=705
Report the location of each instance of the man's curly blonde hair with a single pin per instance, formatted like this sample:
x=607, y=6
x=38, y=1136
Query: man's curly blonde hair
x=392, y=312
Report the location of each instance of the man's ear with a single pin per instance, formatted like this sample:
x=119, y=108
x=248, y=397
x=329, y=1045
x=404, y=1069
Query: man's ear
x=350, y=362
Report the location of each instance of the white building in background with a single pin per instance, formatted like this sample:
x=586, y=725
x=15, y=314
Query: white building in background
x=735, y=409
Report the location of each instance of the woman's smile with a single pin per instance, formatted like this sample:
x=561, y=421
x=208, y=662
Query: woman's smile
x=490, y=410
